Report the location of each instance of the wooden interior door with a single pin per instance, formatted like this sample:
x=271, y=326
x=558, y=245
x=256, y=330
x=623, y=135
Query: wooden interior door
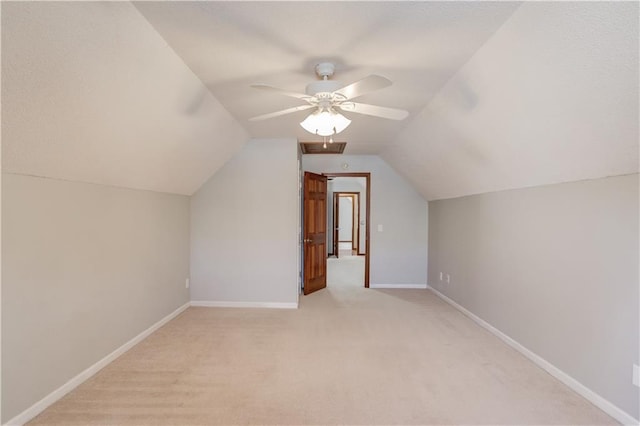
x=315, y=232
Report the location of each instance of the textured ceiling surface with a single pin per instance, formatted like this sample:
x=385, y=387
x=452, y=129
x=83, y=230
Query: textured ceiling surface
x=417, y=45
x=92, y=93
x=552, y=97
x=155, y=95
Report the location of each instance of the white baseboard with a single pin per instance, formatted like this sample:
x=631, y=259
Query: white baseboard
x=54, y=396
x=597, y=400
x=397, y=286
x=221, y=304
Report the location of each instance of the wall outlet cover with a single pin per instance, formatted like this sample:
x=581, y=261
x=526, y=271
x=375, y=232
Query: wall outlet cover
x=636, y=375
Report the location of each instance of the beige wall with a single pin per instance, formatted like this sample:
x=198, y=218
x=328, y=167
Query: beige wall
x=553, y=267
x=244, y=224
x=85, y=268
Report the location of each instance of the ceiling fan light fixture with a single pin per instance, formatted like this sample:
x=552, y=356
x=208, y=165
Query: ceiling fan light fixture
x=325, y=122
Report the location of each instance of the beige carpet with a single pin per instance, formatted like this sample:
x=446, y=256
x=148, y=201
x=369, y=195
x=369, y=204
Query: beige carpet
x=347, y=270
x=348, y=356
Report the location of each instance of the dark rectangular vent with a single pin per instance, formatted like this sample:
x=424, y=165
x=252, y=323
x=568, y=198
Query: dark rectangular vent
x=318, y=147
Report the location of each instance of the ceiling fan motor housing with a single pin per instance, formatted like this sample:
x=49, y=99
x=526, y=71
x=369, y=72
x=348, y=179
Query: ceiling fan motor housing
x=322, y=86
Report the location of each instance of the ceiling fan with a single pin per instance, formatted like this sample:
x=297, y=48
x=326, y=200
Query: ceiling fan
x=328, y=98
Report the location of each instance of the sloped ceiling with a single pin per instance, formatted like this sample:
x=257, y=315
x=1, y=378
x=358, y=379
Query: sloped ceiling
x=155, y=95
x=92, y=93
x=551, y=97
x=418, y=45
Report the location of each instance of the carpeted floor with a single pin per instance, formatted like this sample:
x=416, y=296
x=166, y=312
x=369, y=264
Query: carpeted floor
x=347, y=270
x=348, y=355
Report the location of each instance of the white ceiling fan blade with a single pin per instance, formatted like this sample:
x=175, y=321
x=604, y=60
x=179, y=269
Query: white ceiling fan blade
x=280, y=91
x=364, y=86
x=282, y=112
x=376, y=111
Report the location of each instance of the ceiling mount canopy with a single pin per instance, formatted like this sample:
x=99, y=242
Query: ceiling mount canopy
x=329, y=98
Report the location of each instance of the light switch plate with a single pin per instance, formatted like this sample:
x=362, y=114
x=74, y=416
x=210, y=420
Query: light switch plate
x=379, y=228
x=636, y=375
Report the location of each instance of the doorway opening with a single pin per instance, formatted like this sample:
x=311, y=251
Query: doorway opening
x=321, y=239
x=346, y=223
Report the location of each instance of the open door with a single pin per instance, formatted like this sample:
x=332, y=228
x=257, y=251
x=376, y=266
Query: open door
x=315, y=232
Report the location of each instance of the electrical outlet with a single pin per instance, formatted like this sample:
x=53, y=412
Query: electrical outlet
x=636, y=375
x=448, y=278
x=186, y=283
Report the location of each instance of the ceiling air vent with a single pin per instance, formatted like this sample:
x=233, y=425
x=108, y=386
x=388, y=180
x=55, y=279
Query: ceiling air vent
x=322, y=148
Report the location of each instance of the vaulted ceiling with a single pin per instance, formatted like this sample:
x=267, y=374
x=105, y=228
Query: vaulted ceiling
x=552, y=97
x=417, y=45
x=155, y=95
x=92, y=93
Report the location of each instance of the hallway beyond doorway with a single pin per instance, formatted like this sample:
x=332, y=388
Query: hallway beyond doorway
x=345, y=271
